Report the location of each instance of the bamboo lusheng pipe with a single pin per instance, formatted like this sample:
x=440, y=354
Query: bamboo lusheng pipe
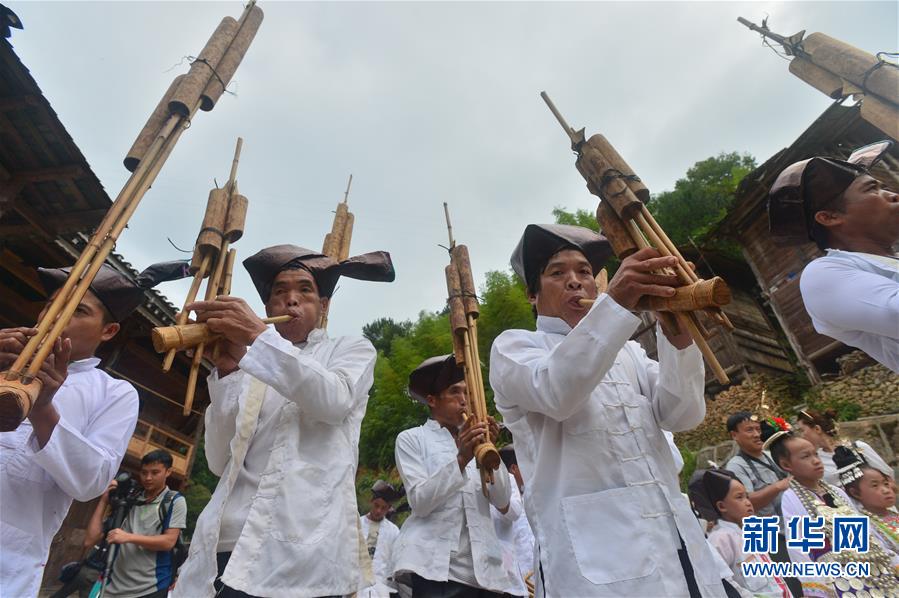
x=224, y=261
x=19, y=387
x=464, y=311
x=337, y=242
x=606, y=179
x=185, y=336
x=210, y=245
x=698, y=295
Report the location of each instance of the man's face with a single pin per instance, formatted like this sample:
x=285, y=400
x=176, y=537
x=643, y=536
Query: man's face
x=448, y=406
x=379, y=509
x=86, y=329
x=748, y=436
x=567, y=278
x=871, y=211
x=294, y=292
x=153, y=476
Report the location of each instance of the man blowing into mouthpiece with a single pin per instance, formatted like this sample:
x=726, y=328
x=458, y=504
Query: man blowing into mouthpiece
x=282, y=431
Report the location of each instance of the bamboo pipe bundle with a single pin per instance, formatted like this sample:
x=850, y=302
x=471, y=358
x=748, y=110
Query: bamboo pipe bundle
x=204, y=67
x=337, y=242
x=608, y=177
x=148, y=133
x=821, y=79
x=881, y=114
x=464, y=311
x=211, y=245
x=227, y=66
x=854, y=65
x=19, y=387
x=184, y=336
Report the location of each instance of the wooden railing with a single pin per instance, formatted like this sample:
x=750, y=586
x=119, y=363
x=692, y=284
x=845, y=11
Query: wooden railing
x=148, y=437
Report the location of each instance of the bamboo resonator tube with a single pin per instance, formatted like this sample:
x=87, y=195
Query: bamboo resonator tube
x=629, y=226
x=464, y=311
x=698, y=295
x=337, y=242
x=19, y=387
x=185, y=336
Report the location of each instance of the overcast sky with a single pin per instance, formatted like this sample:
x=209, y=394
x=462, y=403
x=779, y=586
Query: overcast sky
x=423, y=103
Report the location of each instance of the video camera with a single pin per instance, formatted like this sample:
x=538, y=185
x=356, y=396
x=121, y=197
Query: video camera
x=126, y=492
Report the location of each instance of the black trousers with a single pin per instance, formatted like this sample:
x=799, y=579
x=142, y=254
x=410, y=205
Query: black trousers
x=425, y=588
x=223, y=591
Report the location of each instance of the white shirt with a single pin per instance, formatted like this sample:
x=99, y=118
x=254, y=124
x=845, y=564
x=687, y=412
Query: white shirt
x=301, y=535
x=727, y=538
x=854, y=298
x=97, y=415
x=587, y=408
x=514, y=533
x=439, y=493
x=383, y=559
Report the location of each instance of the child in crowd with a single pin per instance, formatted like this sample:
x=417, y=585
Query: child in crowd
x=730, y=503
x=810, y=496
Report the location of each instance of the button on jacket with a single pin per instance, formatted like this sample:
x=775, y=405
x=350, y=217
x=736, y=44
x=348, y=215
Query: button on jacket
x=301, y=536
x=438, y=492
x=587, y=408
x=97, y=415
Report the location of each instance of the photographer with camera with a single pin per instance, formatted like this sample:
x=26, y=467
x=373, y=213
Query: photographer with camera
x=144, y=549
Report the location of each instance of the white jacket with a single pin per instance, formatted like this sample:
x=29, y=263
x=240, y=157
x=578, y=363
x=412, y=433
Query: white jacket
x=383, y=559
x=854, y=298
x=301, y=537
x=587, y=409
x=97, y=415
x=514, y=533
x=438, y=492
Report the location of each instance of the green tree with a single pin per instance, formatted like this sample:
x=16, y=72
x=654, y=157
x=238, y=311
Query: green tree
x=382, y=331
x=701, y=199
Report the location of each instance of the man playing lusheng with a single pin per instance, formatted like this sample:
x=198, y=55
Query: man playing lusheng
x=448, y=548
x=76, y=434
x=143, y=566
x=282, y=431
x=852, y=293
x=587, y=409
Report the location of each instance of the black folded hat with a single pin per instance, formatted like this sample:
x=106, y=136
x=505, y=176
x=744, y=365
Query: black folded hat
x=267, y=263
x=807, y=187
x=433, y=376
x=542, y=241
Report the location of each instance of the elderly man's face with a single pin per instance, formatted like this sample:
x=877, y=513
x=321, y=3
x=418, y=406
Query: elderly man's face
x=295, y=293
x=567, y=278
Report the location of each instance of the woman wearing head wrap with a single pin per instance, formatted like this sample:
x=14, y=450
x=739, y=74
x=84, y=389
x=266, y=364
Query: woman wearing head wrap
x=820, y=429
x=852, y=293
x=873, y=493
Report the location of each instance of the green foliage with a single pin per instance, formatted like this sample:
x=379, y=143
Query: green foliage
x=197, y=497
x=846, y=408
x=689, y=458
x=577, y=218
x=382, y=331
x=701, y=199
x=200, y=487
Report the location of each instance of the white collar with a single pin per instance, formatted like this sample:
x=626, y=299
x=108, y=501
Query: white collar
x=727, y=525
x=553, y=325
x=83, y=365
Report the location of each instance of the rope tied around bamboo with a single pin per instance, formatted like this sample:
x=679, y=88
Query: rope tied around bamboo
x=629, y=226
